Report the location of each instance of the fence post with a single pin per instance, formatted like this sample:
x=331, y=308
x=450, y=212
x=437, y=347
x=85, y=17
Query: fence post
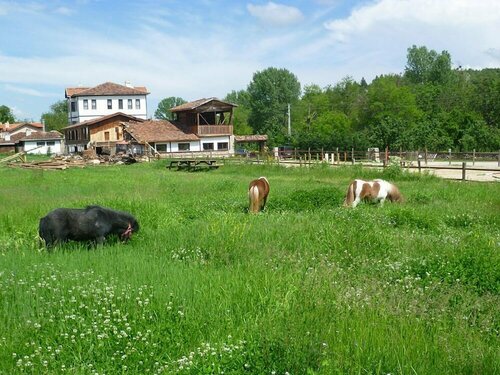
x=295, y=153
x=474, y=157
x=338, y=157
x=499, y=158
x=425, y=155
x=463, y=170
x=449, y=156
x=419, y=166
x=386, y=156
x=322, y=154
x=345, y=157
x=352, y=155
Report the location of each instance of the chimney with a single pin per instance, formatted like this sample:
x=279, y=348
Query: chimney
x=43, y=125
x=127, y=83
x=28, y=132
x=7, y=136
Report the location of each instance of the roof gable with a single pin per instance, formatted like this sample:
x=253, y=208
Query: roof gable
x=99, y=120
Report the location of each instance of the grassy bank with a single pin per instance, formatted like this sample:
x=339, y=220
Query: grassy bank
x=306, y=287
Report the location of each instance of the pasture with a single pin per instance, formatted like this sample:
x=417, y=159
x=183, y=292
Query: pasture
x=305, y=287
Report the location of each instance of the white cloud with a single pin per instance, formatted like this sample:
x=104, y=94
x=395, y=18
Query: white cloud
x=381, y=31
x=27, y=91
x=275, y=14
x=64, y=11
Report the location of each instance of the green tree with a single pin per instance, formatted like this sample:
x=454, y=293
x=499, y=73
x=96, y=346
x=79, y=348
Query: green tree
x=240, y=113
x=163, y=110
x=6, y=114
x=57, y=117
x=425, y=65
x=271, y=90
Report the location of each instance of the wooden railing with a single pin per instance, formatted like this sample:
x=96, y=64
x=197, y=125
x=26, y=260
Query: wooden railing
x=212, y=129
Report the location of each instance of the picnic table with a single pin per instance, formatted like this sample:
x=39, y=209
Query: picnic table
x=193, y=164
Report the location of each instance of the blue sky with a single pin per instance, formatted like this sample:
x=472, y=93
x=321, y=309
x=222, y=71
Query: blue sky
x=204, y=48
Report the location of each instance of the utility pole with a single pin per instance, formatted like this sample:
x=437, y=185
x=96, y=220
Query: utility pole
x=289, y=122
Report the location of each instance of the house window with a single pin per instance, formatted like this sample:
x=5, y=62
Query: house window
x=208, y=146
x=137, y=103
x=73, y=106
x=85, y=104
x=129, y=104
x=120, y=103
x=223, y=146
x=106, y=136
x=51, y=143
x=94, y=104
x=184, y=146
x=161, y=147
x=110, y=104
x=40, y=144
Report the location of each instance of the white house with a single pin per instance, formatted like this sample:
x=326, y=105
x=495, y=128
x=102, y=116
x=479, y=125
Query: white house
x=42, y=143
x=10, y=134
x=86, y=103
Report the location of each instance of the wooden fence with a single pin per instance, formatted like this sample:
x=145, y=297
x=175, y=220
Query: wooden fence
x=419, y=159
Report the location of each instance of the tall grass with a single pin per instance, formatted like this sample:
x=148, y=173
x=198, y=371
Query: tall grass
x=305, y=287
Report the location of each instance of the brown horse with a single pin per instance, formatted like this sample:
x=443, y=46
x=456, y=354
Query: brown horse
x=374, y=191
x=258, y=191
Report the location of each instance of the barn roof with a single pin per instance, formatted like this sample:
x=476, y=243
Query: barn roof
x=194, y=105
x=157, y=131
x=107, y=88
x=251, y=138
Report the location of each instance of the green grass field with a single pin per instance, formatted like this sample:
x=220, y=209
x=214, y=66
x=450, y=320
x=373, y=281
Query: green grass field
x=305, y=287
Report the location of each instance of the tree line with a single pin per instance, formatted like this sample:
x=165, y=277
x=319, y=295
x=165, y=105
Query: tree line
x=430, y=105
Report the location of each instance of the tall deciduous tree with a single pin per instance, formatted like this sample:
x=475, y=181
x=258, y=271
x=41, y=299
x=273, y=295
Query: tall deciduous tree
x=271, y=90
x=425, y=66
x=163, y=110
x=6, y=114
x=241, y=112
x=57, y=117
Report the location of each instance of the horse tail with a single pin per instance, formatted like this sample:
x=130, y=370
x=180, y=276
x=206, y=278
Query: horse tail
x=349, y=197
x=253, y=195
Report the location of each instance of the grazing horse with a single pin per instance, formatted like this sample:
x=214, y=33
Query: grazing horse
x=258, y=191
x=374, y=191
x=93, y=223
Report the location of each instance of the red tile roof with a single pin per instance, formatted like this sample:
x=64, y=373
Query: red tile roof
x=13, y=138
x=98, y=120
x=108, y=88
x=157, y=131
x=16, y=125
x=42, y=136
x=200, y=102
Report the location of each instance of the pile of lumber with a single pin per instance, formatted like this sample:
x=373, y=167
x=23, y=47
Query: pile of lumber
x=49, y=165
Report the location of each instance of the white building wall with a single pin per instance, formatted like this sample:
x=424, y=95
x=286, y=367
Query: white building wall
x=215, y=141
x=81, y=114
x=31, y=147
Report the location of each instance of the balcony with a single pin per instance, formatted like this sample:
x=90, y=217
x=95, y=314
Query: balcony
x=212, y=129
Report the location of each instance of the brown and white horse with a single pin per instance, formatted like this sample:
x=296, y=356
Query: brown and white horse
x=374, y=191
x=258, y=191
